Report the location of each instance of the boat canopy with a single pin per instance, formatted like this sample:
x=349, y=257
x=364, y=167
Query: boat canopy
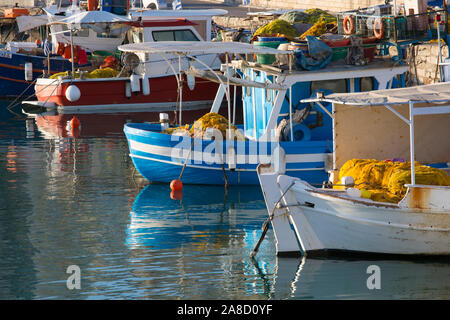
x=94, y=17
x=200, y=47
x=432, y=93
x=352, y=139
x=25, y=23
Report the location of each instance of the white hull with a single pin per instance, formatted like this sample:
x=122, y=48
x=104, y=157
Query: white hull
x=352, y=225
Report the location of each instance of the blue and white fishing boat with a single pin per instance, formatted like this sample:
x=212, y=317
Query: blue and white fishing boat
x=276, y=128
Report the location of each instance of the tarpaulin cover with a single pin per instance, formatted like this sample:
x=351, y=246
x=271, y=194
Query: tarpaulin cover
x=320, y=55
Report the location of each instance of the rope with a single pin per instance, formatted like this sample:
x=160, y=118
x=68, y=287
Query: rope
x=10, y=106
x=266, y=223
x=186, y=160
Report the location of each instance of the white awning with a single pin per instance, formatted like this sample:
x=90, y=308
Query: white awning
x=431, y=93
x=200, y=47
x=94, y=17
x=25, y=23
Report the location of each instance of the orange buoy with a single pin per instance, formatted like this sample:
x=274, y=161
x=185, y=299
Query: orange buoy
x=176, y=194
x=75, y=123
x=75, y=132
x=176, y=185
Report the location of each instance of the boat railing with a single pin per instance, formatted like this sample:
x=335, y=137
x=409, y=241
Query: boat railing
x=396, y=28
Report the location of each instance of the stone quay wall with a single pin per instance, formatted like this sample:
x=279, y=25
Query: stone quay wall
x=334, y=6
x=423, y=60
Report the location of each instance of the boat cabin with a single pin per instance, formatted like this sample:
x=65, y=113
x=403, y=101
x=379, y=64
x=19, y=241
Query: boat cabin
x=265, y=108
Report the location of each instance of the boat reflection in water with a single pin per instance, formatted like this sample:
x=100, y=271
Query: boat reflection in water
x=202, y=243
x=338, y=278
x=53, y=124
x=204, y=216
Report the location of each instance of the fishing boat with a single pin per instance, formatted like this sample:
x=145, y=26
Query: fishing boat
x=270, y=95
x=145, y=81
x=312, y=221
x=21, y=63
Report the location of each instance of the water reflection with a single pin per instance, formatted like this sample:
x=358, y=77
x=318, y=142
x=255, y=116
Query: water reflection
x=204, y=240
x=306, y=278
x=52, y=124
x=69, y=200
x=202, y=216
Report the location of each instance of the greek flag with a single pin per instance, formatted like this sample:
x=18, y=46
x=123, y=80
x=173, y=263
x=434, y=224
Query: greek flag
x=176, y=5
x=47, y=47
x=245, y=2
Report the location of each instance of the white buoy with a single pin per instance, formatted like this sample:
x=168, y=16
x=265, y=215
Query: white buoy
x=135, y=83
x=73, y=93
x=164, y=120
x=28, y=71
x=190, y=82
x=145, y=85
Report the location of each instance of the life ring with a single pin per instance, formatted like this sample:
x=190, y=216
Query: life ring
x=349, y=25
x=378, y=29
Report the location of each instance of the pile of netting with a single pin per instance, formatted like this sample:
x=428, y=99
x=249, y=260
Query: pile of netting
x=96, y=74
x=279, y=28
x=199, y=129
x=385, y=180
x=284, y=26
x=308, y=16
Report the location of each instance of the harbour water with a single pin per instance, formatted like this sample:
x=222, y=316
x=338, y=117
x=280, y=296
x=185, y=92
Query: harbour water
x=69, y=201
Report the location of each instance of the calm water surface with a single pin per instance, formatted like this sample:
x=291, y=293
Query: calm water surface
x=79, y=201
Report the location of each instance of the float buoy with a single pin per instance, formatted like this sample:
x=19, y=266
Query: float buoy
x=176, y=185
x=75, y=123
x=73, y=93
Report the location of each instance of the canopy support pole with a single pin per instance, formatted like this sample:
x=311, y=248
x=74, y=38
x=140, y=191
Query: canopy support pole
x=411, y=142
x=71, y=54
x=180, y=88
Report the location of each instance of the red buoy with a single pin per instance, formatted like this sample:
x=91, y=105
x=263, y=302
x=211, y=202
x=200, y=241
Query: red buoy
x=176, y=185
x=75, y=123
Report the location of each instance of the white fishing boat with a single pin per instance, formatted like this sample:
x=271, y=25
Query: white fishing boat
x=309, y=220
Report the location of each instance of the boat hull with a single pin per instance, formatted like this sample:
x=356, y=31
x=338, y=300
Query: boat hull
x=111, y=94
x=12, y=71
x=332, y=224
x=160, y=157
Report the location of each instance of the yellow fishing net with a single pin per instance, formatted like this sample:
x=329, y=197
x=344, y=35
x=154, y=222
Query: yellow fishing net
x=209, y=120
x=96, y=74
x=277, y=27
x=386, y=179
x=318, y=29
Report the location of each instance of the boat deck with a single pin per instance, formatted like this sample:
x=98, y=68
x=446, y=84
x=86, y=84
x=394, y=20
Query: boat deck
x=335, y=66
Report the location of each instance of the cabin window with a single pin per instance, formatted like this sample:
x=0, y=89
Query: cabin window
x=84, y=32
x=174, y=35
x=366, y=84
x=106, y=35
x=339, y=85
